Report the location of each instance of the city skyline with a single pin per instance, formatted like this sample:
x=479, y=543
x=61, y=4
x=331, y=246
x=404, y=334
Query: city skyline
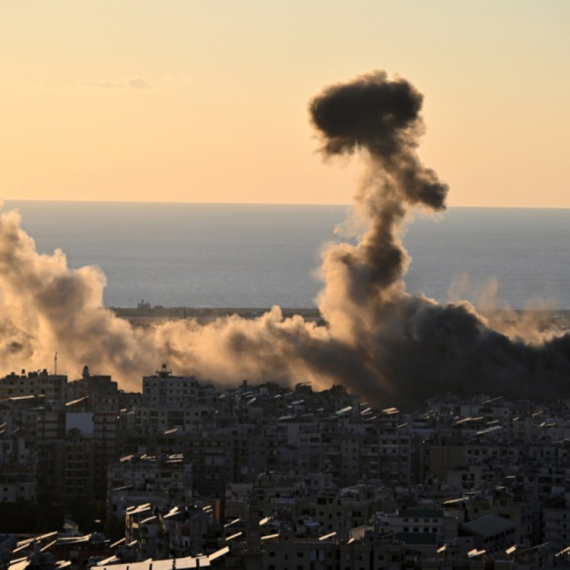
x=360, y=419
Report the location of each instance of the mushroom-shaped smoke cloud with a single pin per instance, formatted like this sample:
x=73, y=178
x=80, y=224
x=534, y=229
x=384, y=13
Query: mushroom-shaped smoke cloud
x=389, y=346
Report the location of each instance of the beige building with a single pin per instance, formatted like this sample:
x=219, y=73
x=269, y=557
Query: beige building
x=52, y=387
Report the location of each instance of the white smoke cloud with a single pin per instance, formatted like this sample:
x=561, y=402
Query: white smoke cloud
x=389, y=346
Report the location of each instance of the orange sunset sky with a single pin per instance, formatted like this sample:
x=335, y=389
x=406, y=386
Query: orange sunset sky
x=206, y=101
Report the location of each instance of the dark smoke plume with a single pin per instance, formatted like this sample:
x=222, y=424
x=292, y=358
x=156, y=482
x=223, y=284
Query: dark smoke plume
x=379, y=341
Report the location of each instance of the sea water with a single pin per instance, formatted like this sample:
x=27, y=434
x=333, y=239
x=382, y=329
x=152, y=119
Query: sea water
x=236, y=255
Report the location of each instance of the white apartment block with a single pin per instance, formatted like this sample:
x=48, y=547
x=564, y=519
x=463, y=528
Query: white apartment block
x=164, y=389
x=50, y=386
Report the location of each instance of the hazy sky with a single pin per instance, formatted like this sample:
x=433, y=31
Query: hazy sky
x=206, y=101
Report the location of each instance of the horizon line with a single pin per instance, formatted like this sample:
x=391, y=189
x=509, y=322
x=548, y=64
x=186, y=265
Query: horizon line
x=346, y=205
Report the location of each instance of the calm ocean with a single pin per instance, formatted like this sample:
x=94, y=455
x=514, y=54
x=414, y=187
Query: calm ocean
x=229, y=255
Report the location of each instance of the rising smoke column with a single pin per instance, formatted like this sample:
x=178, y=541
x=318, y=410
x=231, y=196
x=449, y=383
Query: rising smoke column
x=379, y=341
x=411, y=346
x=380, y=118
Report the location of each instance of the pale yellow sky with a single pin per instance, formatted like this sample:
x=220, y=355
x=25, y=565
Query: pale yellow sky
x=206, y=101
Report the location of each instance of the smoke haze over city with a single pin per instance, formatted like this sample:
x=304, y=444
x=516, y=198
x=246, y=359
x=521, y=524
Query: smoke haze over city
x=379, y=341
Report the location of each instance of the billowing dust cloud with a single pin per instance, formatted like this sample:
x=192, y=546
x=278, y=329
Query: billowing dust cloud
x=379, y=341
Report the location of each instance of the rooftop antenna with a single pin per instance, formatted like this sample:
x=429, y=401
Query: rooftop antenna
x=55, y=364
